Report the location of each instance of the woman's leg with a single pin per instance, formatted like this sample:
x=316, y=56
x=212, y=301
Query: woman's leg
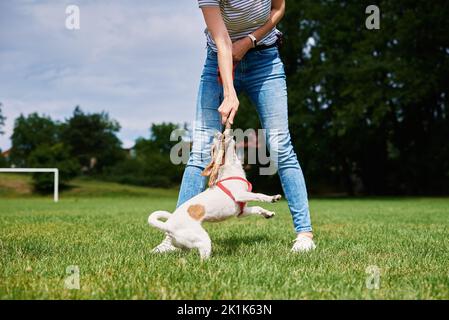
x=265, y=84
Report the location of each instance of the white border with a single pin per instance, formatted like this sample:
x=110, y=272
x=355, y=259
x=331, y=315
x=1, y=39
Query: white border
x=51, y=170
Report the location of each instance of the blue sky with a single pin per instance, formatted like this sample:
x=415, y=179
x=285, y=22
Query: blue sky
x=139, y=60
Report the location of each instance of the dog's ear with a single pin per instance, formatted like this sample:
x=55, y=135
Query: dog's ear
x=207, y=171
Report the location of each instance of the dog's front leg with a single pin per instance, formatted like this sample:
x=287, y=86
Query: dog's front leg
x=256, y=210
x=246, y=196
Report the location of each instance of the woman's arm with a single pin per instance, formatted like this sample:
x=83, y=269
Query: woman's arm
x=240, y=47
x=219, y=33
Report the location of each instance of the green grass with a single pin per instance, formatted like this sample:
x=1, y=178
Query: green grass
x=107, y=236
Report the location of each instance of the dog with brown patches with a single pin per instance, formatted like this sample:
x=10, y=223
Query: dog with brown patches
x=226, y=197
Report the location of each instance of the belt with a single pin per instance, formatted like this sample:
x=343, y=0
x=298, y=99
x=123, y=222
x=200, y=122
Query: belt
x=263, y=47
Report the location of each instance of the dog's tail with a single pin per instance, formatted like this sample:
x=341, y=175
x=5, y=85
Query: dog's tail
x=154, y=219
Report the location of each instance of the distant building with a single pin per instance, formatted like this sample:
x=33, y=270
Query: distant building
x=130, y=152
x=6, y=154
x=5, y=157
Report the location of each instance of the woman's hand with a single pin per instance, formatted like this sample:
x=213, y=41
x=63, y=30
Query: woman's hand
x=228, y=108
x=240, y=48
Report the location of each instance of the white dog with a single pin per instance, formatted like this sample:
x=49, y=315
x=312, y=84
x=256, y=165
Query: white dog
x=223, y=200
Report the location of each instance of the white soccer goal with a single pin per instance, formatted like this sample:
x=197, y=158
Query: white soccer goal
x=29, y=170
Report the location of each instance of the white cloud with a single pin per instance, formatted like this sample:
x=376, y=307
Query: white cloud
x=138, y=60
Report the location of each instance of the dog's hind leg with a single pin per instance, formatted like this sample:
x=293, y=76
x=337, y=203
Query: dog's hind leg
x=256, y=210
x=251, y=196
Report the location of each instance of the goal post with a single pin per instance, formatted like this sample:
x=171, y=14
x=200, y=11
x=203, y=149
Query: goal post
x=32, y=170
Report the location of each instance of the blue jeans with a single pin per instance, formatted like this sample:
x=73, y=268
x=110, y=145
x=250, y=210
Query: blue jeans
x=261, y=75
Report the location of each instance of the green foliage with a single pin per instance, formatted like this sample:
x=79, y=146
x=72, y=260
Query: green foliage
x=52, y=156
x=2, y=119
x=368, y=108
x=86, y=141
x=159, y=140
x=3, y=162
x=92, y=137
x=150, y=163
x=370, y=105
x=29, y=133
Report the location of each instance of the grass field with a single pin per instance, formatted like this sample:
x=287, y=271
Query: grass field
x=102, y=229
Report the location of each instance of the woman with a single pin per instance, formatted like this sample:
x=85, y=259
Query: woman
x=243, y=32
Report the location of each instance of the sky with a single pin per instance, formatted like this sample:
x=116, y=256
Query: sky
x=138, y=60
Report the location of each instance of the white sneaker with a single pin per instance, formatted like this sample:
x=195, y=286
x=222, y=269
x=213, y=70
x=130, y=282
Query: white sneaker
x=164, y=246
x=303, y=243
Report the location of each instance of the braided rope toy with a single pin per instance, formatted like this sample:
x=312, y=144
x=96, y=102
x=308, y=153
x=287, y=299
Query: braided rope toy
x=218, y=160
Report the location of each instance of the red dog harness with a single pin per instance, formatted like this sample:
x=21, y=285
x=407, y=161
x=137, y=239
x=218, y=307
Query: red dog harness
x=228, y=192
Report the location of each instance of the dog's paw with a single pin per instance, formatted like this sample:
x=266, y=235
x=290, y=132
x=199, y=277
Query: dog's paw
x=276, y=198
x=269, y=214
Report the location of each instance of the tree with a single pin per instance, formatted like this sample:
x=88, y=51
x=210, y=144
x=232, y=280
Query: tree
x=2, y=123
x=2, y=119
x=29, y=133
x=36, y=143
x=151, y=164
x=370, y=106
x=160, y=137
x=92, y=140
x=3, y=161
x=52, y=156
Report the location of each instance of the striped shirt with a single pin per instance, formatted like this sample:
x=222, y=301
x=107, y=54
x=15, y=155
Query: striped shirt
x=242, y=17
